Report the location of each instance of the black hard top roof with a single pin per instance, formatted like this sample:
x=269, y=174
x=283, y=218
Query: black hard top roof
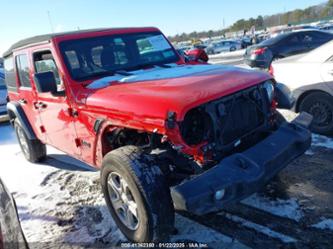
x=48, y=37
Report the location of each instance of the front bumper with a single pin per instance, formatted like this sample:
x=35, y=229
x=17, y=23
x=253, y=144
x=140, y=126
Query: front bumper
x=242, y=174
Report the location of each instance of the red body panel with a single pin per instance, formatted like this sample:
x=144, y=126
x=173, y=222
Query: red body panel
x=141, y=105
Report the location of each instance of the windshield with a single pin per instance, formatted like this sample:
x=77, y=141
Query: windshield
x=101, y=56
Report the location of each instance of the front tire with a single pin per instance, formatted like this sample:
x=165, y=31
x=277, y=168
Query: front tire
x=137, y=195
x=320, y=106
x=33, y=150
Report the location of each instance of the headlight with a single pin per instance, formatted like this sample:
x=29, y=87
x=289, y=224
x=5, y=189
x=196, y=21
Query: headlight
x=195, y=127
x=269, y=88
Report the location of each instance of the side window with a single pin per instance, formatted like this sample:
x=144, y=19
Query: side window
x=320, y=36
x=44, y=62
x=307, y=38
x=293, y=40
x=10, y=77
x=22, y=66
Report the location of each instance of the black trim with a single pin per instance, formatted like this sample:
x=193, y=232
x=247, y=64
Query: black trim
x=16, y=111
x=98, y=124
x=48, y=37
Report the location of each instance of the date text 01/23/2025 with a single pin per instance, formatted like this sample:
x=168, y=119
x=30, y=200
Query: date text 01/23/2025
x=165, y=245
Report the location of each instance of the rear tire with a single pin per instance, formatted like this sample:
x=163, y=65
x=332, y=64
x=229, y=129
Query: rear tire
x=33, y=150
x=232, y=49
x=131, y=181
x=320, y=106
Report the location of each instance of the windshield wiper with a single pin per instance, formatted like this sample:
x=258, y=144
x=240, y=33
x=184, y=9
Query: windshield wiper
x=144, y=66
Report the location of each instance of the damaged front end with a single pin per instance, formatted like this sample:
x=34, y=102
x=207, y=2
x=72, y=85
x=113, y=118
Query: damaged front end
x=242, y=174
x=240, y=143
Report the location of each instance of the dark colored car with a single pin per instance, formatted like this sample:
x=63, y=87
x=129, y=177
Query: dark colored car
x=11, y=235
x=284, y=45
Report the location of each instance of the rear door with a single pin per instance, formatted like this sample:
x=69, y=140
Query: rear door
x=26, y=92
x=55, y=110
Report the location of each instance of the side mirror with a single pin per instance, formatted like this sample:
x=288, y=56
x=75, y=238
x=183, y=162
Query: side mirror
x=197, y=55
x=46, y=82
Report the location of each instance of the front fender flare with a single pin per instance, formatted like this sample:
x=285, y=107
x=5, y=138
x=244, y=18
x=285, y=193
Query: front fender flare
x=15, y=110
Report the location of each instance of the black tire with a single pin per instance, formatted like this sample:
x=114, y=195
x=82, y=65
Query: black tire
x=320, y=106
x=33, y=150
x=147, y=187
x=232, y=49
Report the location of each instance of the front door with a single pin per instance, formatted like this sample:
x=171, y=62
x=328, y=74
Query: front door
x=57, y=122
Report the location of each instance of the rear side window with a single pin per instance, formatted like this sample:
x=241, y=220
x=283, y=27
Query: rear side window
x=10, y=78
x=22, y=65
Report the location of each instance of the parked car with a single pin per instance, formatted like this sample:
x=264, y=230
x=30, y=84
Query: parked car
x=165, y=134
x=246, y=41
x=3, y=94
x=11, y=235
x=284, y=45
x=196, y=55
x=310, y=77
x=223, y=46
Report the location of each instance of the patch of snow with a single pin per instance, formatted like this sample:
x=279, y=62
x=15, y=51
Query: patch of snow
x=259, y=228
x=224, y=61
x=324, y=224
x=237, y=53
x=322, y=141
x=282, y=208
x=193, y=231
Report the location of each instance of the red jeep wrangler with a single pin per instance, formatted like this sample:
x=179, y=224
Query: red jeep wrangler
x=166, y=134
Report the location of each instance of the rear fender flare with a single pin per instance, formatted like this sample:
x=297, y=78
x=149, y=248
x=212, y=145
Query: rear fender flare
x=15, y=110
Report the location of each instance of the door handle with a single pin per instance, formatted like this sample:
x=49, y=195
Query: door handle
x=40, y=105
x=22, y=101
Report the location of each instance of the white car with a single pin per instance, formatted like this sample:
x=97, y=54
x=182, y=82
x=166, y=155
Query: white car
x=310, y=77
x=223, y=46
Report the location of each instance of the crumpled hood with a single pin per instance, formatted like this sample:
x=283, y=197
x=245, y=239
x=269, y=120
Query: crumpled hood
x=152, y=93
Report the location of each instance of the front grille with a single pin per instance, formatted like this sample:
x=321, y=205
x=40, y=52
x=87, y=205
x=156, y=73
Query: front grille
x=237, y=115
x=243, y=115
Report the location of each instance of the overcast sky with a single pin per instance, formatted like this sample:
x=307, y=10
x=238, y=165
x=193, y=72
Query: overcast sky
x=24, y=18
